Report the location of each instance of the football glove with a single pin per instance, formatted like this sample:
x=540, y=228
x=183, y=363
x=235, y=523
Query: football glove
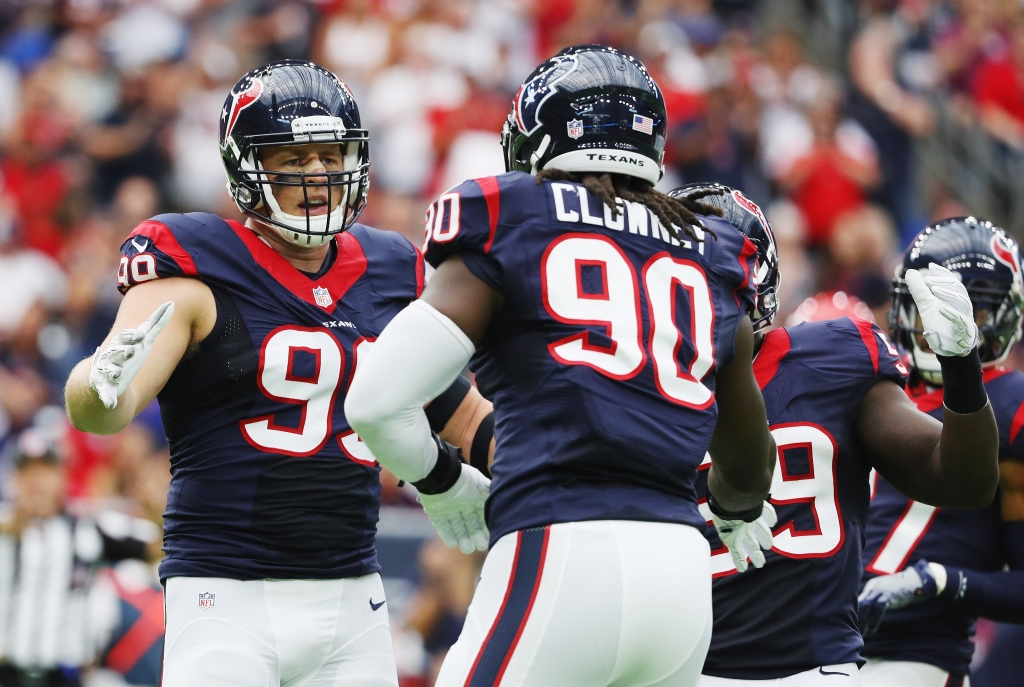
x=114, y=369
x=747, y=539
x=913, y=585
x=947, y=315
x=458, y=514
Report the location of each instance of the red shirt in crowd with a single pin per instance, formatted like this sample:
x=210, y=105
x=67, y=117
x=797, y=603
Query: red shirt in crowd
x=998, y=82
x=825, y=194
x=38, y=192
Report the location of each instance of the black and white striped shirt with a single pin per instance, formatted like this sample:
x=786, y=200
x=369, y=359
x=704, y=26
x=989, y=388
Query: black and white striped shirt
x=47, y=600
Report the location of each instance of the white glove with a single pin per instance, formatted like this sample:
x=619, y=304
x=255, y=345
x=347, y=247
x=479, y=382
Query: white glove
x=747, y=539
x=458, y=514
x=115, y=368
x=947, y=315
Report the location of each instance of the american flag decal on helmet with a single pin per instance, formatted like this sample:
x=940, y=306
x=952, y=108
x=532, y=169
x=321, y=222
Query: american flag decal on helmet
x=644, y=125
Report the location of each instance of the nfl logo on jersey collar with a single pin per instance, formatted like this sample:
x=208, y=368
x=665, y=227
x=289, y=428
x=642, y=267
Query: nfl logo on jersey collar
x=322, y=297
x=207, y=600
x=575, y=127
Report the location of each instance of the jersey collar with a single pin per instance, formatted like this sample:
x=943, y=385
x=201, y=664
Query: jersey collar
x=324, y=291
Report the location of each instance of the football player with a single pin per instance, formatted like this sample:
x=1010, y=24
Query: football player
x=835, y=403
x=608, y=323
x=256, y=330
x=931, y=571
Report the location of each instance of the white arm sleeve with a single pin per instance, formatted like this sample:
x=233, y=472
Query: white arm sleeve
x=417, y=356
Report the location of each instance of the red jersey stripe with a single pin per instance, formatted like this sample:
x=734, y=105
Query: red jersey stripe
x=492, y=195
x=163, y=238
x=774, y=348
x=867, y=335
x=1017, y=424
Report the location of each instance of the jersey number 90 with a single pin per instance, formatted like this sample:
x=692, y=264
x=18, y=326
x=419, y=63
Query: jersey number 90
x=615, y=306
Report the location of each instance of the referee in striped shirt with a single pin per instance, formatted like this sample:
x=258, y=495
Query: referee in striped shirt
x=48, y=562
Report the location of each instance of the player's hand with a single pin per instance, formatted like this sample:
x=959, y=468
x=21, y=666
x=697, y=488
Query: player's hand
x=747, y=539
x=913, y=585
x=458, y=514
x=114, y=369
x=947, y=315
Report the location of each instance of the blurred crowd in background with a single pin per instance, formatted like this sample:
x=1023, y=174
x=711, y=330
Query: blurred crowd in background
x=853, y=124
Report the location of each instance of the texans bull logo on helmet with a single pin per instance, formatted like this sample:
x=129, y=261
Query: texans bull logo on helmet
x=241, y=101
x=533, y=94
x=1006, y=253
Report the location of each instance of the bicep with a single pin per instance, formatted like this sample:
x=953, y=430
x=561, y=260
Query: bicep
x=462, y=297
x=900, y=439
x=195, y=313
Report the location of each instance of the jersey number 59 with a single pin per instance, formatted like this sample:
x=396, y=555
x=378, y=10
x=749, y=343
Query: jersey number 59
x=795, y=482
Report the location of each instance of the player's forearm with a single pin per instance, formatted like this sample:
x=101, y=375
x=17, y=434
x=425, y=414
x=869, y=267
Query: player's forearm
x=998, y=596
x=416, y=357
x=743, y=455
x=742, y=449
x=739, y=483
x=85, y=410
x=967, y=458
x=471, y=428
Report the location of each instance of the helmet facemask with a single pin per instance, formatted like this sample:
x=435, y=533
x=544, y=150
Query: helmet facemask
x=346, y=189
x=997, y=312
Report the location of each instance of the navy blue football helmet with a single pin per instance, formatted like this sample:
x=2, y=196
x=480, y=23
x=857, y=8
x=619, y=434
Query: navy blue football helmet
x=292, y=102
x=987, y=261
x=746, y=216
x=590, y=108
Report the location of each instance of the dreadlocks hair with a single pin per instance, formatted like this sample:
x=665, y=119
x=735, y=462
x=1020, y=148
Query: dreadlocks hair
x=673, y=213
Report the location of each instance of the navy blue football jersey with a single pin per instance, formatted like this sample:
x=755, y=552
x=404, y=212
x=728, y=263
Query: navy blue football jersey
x=800, y=610
x=601, y=362
x=901, y=531
x=268, y=480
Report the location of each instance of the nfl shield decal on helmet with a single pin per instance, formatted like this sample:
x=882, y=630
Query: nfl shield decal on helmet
x=322, y=297
x=575, y=127
x=207, y=599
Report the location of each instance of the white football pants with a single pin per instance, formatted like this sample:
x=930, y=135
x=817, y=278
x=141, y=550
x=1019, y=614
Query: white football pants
x=842, y=675
x=603, y=603
x=266, y=633
x=880, y=673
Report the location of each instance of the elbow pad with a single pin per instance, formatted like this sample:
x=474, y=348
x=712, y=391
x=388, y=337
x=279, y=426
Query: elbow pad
x=417, y=356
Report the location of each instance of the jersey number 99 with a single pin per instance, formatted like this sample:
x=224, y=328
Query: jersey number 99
x=315, y=392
